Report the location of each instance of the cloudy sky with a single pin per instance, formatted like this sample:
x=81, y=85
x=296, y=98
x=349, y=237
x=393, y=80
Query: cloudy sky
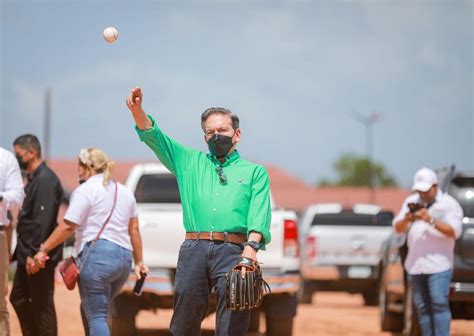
x=296, y=72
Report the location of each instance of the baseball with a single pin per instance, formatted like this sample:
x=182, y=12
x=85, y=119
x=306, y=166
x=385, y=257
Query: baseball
x=110, y=34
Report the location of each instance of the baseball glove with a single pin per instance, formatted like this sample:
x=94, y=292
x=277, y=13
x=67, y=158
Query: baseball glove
x=245, y=293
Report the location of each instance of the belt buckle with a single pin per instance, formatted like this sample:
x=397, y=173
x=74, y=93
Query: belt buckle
x=211, y=238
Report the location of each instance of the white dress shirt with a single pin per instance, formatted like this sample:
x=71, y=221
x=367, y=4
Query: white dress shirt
x=429, y=250
x=90, y=206
x=11, y=185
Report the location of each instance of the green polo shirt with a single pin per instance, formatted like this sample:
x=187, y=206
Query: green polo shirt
x=241, y=204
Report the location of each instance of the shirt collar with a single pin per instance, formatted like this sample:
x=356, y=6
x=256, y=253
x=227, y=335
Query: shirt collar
x=96, y=177
x=229, y=158
x=36, y=171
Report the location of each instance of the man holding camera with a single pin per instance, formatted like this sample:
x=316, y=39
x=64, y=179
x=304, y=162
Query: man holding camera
x=432, y=221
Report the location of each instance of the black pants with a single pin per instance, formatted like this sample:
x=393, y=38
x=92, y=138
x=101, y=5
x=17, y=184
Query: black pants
x=32, y=297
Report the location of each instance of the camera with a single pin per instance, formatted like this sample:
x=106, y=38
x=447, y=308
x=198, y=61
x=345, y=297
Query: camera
x=414, y=207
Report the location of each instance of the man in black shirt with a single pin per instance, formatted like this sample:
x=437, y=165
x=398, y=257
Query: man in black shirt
x=32, y=294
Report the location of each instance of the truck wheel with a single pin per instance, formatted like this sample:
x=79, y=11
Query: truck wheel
x=411, y=326
x=123, y=326
x=305, y=294
x=389, y=321
x=280, y=310
x=370, y=298
x=254, y=325
x=124, y=309
x=278, y=326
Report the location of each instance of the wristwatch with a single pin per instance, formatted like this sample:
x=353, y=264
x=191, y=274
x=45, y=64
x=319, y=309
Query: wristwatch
x=253, y=244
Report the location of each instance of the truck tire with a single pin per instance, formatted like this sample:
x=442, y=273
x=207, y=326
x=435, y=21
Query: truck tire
x=123, y=326
x=389, y=321
x=122, y=318
x=371, y=298
x=278, y=326
x=305, y=294
x=254, y=325
x=280, y=310
x=411, y=326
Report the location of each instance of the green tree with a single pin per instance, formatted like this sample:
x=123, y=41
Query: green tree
x=353, y=170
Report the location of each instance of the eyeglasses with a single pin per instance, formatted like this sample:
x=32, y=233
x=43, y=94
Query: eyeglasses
x=222, y=177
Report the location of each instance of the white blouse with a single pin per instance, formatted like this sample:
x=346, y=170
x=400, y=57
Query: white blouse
x=90, y=206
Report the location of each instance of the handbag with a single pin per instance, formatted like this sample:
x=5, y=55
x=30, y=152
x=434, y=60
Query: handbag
x=69, y=269
x=69, y=272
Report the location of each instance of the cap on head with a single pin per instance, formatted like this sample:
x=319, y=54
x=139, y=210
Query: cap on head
x=424, y=179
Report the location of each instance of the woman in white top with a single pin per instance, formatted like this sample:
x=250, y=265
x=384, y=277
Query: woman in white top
x=106, y=263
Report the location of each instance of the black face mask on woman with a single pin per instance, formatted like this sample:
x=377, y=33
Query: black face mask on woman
x=219, y=145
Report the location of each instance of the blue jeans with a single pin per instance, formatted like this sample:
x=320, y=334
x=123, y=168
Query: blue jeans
x=105, y=271
x=430, y=296
x=202, y=267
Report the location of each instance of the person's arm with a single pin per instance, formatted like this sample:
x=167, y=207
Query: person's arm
x=260, y=212
x=63, y=232
x=9, y=231
x=136, y=240
x=172, y=154
x=402, y=222
x=134, y=103
x=248, y=251
x=450, y=223
x=402, y=225
x=76, y=213
x=12, y=197
x=46, y=208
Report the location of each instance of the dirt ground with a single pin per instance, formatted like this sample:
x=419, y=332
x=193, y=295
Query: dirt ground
x=330, y=314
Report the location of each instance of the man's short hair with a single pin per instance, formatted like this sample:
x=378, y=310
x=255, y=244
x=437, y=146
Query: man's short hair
x=220, y=110
x=28, y=142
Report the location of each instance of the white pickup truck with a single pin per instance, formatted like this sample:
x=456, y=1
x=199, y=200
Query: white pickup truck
x=340, y=249
x=160, y=217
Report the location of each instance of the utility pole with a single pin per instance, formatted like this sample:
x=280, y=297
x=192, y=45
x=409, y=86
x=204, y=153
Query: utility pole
x=47, y=124
x=368, y=122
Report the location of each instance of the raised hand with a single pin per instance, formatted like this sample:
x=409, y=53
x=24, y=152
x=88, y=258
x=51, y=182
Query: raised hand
x=134, y=103
x=134, y=100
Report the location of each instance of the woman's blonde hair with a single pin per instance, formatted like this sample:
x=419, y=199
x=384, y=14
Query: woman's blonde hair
x=98, y=161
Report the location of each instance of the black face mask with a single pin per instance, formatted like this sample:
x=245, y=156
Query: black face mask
x=220, y=145
x=23, y=164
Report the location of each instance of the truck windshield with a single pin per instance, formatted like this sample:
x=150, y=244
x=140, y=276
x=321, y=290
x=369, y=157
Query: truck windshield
x=157, y=188
x=462, y=189
x=350, y=218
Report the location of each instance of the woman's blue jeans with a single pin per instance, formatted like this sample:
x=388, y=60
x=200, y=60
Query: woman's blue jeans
x=430, y=296
x=105, y=271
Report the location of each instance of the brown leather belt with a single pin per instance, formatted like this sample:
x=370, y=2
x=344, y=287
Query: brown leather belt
x=236, y=238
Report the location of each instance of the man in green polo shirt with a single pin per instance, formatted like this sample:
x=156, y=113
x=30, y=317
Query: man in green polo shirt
x=226, y=214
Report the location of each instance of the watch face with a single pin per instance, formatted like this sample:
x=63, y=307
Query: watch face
x=255, y=245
